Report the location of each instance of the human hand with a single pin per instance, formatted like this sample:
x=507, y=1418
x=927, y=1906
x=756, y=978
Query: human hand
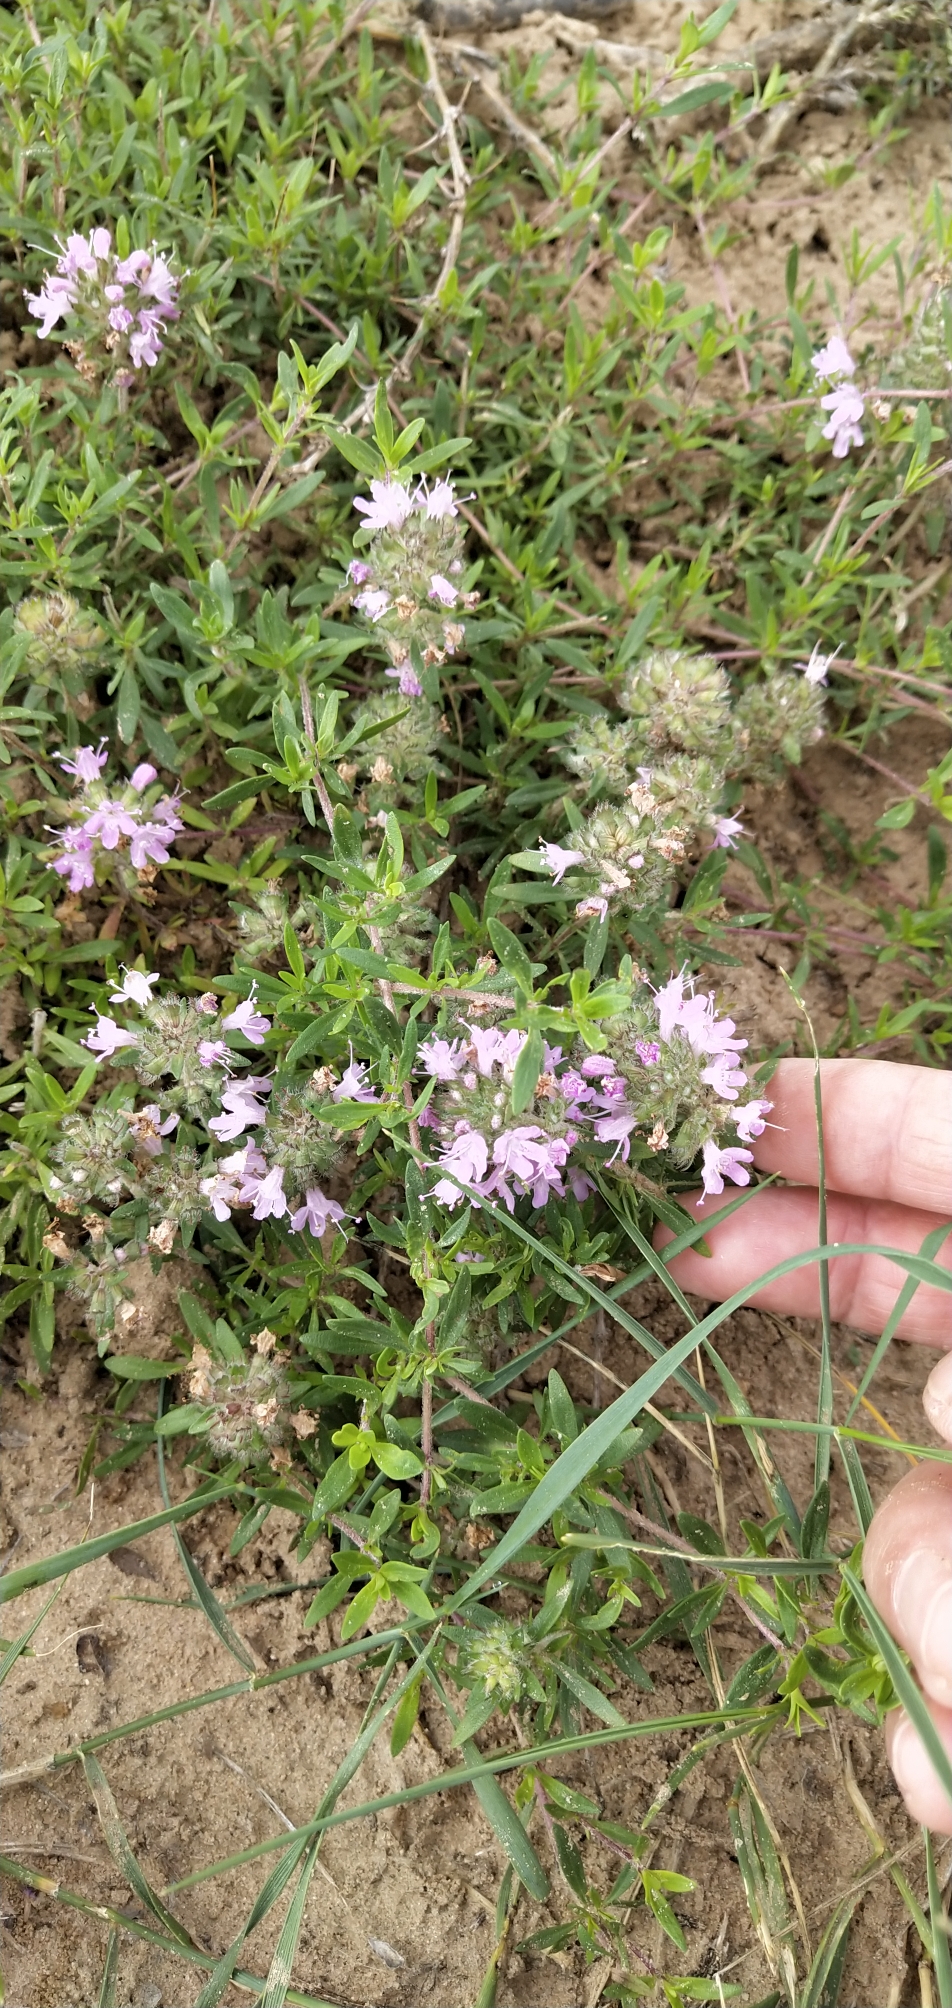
x=888, y=1142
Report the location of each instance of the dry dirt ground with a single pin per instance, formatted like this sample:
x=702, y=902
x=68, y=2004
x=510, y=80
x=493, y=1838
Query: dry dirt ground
x=402, y=1913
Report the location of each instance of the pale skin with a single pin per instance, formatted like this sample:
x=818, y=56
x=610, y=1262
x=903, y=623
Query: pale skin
x=888, y=1137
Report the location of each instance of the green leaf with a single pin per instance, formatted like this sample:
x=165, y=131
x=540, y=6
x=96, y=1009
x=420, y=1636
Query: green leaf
x=396, y=1463
x=121, y=1852
x=510, y=952
x=127, y=705
x=527, y=1069
x=509, y=1830
x=405, y=1717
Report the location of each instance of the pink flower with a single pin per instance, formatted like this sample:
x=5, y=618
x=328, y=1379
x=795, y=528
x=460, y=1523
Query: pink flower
x=142, y=775
x=145, y=345
x=315, y=1213
x=246, y=1020
x=556, y=859
x=443, y=1058
x=128, y=269
x=489, y=1047
x=109, y=821
x=467, y=1158
x=720, y=1164
x=213, y=1053
x=598, y=1066
x=833, y=361
x=750, y=1118
x=592, y=909
x=438, y=502
x=136, y=988
x=270, y=1201
x=357, y=572
x=75, y=862
x=149, y=843
x=241, y=1107
x=408, y=683
x=354, y=1084
x=373, y=603
x=617, y=1130
x=52, y=303
x=726, y=830
x=147, y=1127
x=160, y=284
x=845, y=406
x=648, y=1052
x=107, y=1038
x=390, y=507
x=442, y=590
x=86, y=763
x=580, y=1183
x=723, y=1078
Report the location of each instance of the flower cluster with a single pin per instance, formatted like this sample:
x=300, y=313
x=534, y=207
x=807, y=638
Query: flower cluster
x=400, y=750
x=685, y=744
x=124, y=831
x=60, y=637
x=273, y=1175
x=407, y=585
x=244, y=1403
x=672, y=1072
x=834, y=365
x=625, y=855
x=122, y=305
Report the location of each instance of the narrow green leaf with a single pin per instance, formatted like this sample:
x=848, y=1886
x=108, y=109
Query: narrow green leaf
x=121, y=1852
x=509, y=1830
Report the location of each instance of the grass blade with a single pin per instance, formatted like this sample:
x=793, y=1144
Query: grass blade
x=822, y=1984
x=930, y=1247
x=939, y=1917
x=17, y=1580
x=279, y=1972
x=118, y=1844
x=110, y=1973
x=574, y=1464
x=509, y=1831
x=902, y=1681
x=217, y=1618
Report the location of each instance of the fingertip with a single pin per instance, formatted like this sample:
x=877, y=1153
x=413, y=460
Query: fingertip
x=937, y=1398
x=926, y=1798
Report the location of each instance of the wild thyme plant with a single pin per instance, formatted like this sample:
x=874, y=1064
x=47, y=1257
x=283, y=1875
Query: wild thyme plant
x=365, y=894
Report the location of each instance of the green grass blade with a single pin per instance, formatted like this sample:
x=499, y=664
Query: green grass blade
x=17, y=1580
x=572, y=1467
x=217, y=1618
x=19, y=1645
x=822, y=1985
x=930, y=1247
x=279, y=1972
x=736, y=1721
x=218, y=1982
x=118, y=1844
x=939, y=1918
x=509, y=1831
x=856, y=1479
x=824, y=1412
x=131, y=1927
x=110, y=1973
x=902, y=1681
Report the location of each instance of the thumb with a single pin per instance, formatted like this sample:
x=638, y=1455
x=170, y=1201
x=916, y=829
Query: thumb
x=937, y=1398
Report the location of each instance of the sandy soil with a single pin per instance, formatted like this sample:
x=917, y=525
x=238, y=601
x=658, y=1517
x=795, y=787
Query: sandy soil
x=402, y=1912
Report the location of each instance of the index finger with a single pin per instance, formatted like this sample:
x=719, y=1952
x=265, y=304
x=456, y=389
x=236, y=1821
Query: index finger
x=887, y=1130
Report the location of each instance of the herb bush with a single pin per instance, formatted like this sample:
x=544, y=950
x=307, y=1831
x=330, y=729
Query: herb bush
x=308, y=428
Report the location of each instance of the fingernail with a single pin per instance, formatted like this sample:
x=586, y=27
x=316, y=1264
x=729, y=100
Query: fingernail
x=915, y=1775
x=937, y=1397
x=922, y=1600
